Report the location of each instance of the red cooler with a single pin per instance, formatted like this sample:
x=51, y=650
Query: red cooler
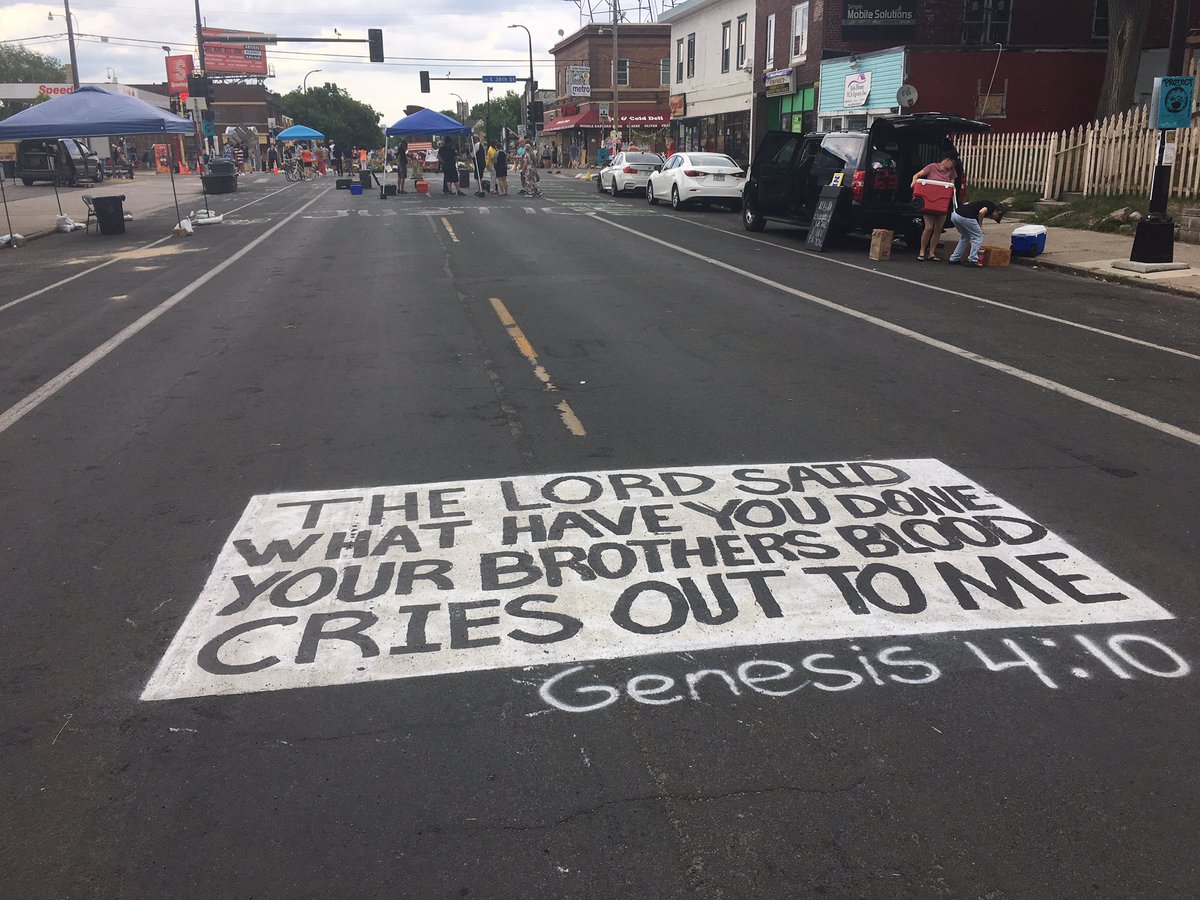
x=932, y=196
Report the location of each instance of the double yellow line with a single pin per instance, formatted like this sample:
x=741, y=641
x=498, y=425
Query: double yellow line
x=526, y=349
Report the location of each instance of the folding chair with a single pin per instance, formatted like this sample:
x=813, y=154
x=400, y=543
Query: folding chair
x=91, y=214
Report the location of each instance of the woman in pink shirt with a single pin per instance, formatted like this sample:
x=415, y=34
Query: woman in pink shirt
x=944, y=170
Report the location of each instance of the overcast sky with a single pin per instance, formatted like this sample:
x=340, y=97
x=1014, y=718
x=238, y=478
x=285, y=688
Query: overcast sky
x=465, y=38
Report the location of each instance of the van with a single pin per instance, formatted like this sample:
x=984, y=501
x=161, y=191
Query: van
x=69, y=161
x=876, y=168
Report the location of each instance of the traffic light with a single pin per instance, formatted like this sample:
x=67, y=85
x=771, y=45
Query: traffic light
x=201, y=86
x=175, y=105
x=424, y=82
x=375, y=42
x=537, y=113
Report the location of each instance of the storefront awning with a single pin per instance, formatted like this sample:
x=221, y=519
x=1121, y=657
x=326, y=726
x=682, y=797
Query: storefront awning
x=652, y=117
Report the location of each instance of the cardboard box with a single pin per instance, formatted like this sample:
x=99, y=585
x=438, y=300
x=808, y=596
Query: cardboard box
x=881, y=244
x=993, y=256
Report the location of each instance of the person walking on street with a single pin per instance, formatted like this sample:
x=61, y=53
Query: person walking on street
x=480, y=157
x=945, y=170
x=272, y=157
x=573, y=155
x=402, y=166
x=501, y=164
x=490, y=159
x=449, y=164
x=968, y=219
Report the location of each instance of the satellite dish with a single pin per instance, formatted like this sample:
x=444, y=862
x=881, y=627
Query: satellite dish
x=906, y=97
x=561, y=32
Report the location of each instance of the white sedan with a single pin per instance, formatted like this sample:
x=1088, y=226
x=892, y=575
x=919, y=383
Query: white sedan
x=697, y=178
x=628, y=171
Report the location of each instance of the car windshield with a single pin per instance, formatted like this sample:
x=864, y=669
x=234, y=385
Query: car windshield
x=711, y=159
x=642, y=159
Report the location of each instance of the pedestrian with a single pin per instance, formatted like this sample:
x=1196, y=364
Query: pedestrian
x=402, y=166
x=554, y=153
x=573, y=155
x=306, y=160
x=521, y=164
x=672, y=147
x=490, y=159
x=968, y=219
x=449, y=163
x=547, y=159
x=272, y=157
x=500, y=161
x=335, y=153
x=480, y=155
x=321, y=159
x=946, y=169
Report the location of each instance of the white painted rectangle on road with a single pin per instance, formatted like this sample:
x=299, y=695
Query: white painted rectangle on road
x=339, y=587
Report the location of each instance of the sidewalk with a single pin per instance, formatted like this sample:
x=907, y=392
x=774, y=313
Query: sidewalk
x=1092, y=253
x=33, y=209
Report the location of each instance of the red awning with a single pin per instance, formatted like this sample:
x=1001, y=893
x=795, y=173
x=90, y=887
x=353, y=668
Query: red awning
x=587, y=119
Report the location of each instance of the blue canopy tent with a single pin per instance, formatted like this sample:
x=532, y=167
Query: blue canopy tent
x=91, y=112
x=426, y=122
x=299, y=133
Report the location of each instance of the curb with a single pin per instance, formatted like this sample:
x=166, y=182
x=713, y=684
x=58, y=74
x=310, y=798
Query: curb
x=1067, y=269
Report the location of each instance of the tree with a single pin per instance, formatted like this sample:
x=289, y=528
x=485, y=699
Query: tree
x=18, y=64
x=506, y=110
x=1126, y=32
x=333, y=112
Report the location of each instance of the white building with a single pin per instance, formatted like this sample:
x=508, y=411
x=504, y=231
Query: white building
x=712, y=87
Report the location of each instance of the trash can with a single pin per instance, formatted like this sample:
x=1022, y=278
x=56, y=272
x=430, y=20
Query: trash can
x=9, y=167
x=221, y=177
x=364, y=178
x=110, y=213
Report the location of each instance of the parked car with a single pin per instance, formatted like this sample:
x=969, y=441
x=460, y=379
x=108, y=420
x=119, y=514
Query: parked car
x=67, y=160
x=629, y=170
x=697, y=178
x=876, y=168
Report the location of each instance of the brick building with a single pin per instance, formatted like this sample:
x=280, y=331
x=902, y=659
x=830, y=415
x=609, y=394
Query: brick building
x=813, y=58
x=583, y=107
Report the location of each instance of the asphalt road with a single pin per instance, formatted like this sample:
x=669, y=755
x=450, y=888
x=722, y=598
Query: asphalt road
x=321, y=342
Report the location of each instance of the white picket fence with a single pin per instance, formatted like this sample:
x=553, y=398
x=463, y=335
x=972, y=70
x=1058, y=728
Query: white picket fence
x=1110, y=156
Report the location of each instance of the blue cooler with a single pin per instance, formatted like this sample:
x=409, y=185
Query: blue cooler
x=1029, y=240
x=356, y=190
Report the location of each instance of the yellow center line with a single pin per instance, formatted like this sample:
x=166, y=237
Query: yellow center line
x=449, y=230
x=570, y=420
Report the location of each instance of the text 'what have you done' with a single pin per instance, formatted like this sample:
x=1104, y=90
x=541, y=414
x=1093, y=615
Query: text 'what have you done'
x=337, y=587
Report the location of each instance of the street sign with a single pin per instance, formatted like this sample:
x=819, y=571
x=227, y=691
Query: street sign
x=499, y=79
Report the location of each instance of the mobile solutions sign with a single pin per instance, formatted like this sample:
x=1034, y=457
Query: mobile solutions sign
x=867, y=20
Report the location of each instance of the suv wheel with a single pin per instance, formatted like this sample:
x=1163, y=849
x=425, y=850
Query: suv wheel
x=751, y=220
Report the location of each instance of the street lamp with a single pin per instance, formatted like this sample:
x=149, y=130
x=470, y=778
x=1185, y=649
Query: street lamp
x=304, y=83
x=488, y=115
x=529, y=83
x=461, y=103
x=67, y=14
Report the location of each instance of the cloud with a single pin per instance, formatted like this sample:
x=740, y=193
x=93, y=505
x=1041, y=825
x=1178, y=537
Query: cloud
x=473, y=39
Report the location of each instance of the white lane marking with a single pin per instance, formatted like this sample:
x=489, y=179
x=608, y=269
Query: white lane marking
x=1091, y=400
x=19, y=409
x=945, y=290
x=118, y=258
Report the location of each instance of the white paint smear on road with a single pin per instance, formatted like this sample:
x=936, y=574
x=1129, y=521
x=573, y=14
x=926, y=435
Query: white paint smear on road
x=338, y=587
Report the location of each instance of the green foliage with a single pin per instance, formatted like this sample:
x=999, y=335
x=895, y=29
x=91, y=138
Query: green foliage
x=333, y=112
x=19, y=64
x=506, y=110
x=1092, y=213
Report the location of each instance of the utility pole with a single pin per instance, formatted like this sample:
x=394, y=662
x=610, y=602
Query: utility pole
x=616, y=104
x=1154, y=240
x=71, y=44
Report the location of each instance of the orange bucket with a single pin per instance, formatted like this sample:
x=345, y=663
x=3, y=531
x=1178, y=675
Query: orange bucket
x=422, y=187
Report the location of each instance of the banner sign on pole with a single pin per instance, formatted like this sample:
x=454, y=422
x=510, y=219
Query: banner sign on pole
x=1171, y=103
x=499, y=79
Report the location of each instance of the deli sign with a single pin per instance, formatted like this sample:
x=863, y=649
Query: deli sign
x=879, y=19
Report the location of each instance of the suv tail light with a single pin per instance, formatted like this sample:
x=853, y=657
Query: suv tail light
x=858, y=185
x=629, y=170
x=693, y=173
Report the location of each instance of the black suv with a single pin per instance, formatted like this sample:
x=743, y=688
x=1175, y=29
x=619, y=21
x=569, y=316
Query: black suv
x=876, y=166
x=68, y=161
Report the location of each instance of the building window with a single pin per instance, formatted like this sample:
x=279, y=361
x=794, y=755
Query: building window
x=993, y=105
x=1100, y=20
x=726, y=36
x=987, y=21
x=770, y=58
x=679, y=61
x=691, y=59
x=799, y=31
x=622, y=72
x=741, y=42
x=664, y=70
